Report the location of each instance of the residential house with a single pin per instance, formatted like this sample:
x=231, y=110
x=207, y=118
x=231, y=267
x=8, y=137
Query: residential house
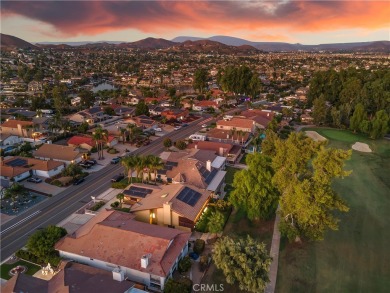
x=41, y=124
x=91, y=115
x=72, y=277
x=228, y=136
x=35, y=86
x=113, y=240
x=175, y=205
x=229, y=151
x=243, y=124
x=156, y=110
x=7, y=140
x=204, y=105
x=87, y=142
x=123, y=111
x=18, y=127
x=175, y=114
x=19, y=168
x=134, y=100
x=261, y=117
x=143, y=121
x=66, y=154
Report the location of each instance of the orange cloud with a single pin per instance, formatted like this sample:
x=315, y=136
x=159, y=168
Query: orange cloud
x=215, y=17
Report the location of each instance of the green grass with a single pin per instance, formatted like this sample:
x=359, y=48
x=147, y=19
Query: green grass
x=230, y=171
x=356, y=257
x=5, y=268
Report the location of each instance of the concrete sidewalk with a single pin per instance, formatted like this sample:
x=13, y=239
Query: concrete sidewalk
x=273, y=272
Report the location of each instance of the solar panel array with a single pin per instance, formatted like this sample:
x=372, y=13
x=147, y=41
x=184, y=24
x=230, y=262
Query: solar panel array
x=17, y=163
x=207, y=175
x=169, y=165
x=189, y=196
x=138, y=191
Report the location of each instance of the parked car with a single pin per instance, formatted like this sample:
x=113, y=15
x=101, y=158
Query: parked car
x=204, y=125
x=92, y=162
x=85, y=166
x=184, y=125
x=115, y=160
x=177, y=127
x=34, y=180
x=158, y=129
x=78, y=181
x=118, y=177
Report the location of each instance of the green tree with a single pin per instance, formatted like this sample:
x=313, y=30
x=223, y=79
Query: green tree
x=268, y=147
x=320, y=110
x=183, y=285
x=380, y=124
x=216, y=222
x=200, y=79
x=72, y=170
x=141, y=109
x=109, y=111
x=41, y=243
x=86, y=98
x=304, y=173
x=184, y=264
x=243, y=261
x=60, y=100
x=83, y=127
x=167, y=142
x=359, y=115
x=130, y=164
x=120, y=197
x=181, y=144
x=253, y=189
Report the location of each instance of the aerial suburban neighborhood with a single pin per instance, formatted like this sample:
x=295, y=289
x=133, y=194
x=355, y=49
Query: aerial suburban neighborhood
x=193, y=165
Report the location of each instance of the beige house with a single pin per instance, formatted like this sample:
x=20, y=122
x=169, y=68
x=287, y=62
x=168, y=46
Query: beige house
x=59, y=153
x=18, y=127
x=243, y=124
x=174, y=205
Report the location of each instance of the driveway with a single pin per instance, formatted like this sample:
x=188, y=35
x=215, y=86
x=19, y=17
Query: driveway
x=43, y=187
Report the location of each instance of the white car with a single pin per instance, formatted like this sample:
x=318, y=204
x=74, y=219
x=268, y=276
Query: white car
x=177, y=127
x=158, y=129
x=204, y=125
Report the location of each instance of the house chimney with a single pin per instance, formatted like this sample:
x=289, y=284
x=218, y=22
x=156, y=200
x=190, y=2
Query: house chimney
x=118, y=275
x=208, y=165
x=167, y=214
x=145, y=261
x=221, y=152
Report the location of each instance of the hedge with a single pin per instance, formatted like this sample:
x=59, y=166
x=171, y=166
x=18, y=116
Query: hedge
x=199, y=246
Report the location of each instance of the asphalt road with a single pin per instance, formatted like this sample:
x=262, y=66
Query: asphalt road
x=14, y=233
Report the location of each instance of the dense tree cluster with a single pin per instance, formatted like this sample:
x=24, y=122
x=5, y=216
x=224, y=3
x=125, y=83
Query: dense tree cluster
x=239, y=80
x=359, y=100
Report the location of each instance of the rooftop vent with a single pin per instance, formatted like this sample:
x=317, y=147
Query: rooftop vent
x=145, y=260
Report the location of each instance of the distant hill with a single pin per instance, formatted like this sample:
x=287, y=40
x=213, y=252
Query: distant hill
x=221, y=44
x=148, y=43
x=11, y=42
x=207, y=46
x=378, y=46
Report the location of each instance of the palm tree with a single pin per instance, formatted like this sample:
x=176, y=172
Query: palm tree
x=139, y=168
x=232, y=133
x=130, y=163
x=240, y=135
x=131, y=127
x=123, y=134
x=156, y=164
x=97, y=136
x=256, y=142
x=120, y=197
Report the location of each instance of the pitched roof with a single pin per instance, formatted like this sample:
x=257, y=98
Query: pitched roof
x=7, y=168
x=25, y=283
x=226, y=134
x=15, y=123
x=211, y=146
x=133, y=240
x=169, y=193
x=237, y=122
x=59, y=152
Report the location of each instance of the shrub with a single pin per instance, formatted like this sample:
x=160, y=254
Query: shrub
x=181, y=144
x=119, y=185
x=97, y=206
x=115, y=204
x=199, y=246
x=24, y=254
x=94, y=150
x=112, y=151
x=56, y=183
x=184, y=285
x=184, y=264
x=203, y=263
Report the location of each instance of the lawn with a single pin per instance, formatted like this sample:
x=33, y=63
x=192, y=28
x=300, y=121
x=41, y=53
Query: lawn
x=356, y=257
x=31, y=269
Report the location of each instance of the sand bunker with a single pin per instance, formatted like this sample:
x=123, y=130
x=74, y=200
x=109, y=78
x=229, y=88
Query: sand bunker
x=361, y=147
x=315, y=136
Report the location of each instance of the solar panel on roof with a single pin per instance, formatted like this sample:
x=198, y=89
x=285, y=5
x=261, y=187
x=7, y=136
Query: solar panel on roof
x=189, y=196
x=138, y=191
x=211, y=175
x=170, y=163
x=17, y=163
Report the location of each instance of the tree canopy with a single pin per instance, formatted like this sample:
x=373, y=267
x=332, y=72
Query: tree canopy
x=141, y=109
x=304, y=172
x=200, y=79
x=244, y=261
x=253, y=189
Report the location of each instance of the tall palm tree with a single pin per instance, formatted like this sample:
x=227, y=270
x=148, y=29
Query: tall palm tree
x=157, y=164
x=123, y=134
x=232, y=133
x=130, y=164
x=131, y=128
x=256, y=142
x=240, y=135
x=97, y=136
x=139, y=168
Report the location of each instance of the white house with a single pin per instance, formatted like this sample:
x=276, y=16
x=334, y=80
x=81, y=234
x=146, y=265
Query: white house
x=114, y=240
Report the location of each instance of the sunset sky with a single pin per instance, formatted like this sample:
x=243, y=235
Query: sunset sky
x=302, y=21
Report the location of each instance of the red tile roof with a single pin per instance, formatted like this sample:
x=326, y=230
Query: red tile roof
x=14, y=123
x=119, y=239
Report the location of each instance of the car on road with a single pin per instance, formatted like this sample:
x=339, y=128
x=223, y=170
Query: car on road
x=118, y=177
x=158, y=129
x=34, y=180
x=177, y=127
x=184, y=125
x=77, y=181
x=204, y=125
x=115, y=160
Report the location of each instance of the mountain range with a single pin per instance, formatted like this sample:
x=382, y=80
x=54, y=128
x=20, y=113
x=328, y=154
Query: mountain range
x=221, y=44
